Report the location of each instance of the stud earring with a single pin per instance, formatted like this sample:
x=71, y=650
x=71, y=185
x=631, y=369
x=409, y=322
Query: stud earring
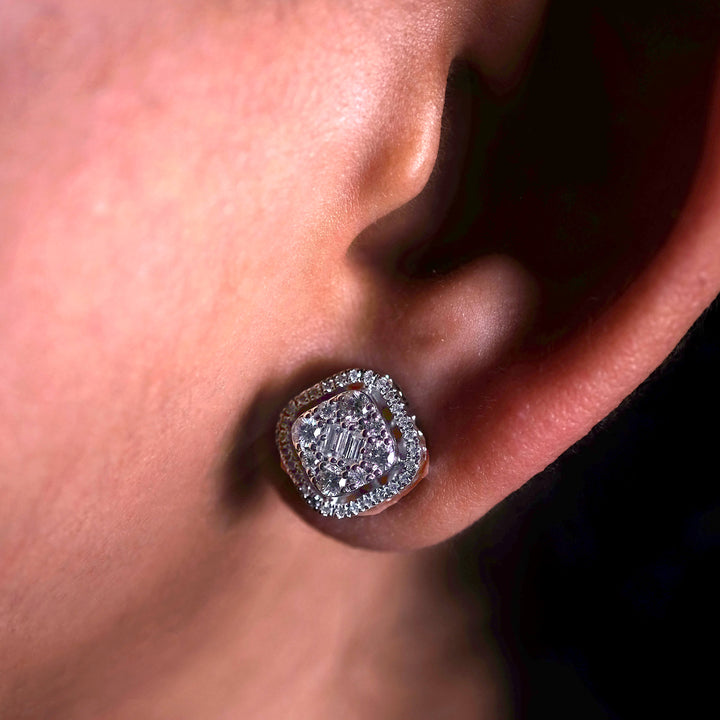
x=350, y=445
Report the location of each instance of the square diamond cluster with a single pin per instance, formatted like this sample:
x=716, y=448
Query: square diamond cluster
x=349, y=443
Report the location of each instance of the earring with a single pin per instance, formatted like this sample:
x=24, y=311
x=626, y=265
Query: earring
x=350, y=444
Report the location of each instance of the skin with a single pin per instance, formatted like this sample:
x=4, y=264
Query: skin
x=202, y=210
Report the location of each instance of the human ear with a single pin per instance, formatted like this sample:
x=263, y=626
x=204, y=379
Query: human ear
x=519, y=346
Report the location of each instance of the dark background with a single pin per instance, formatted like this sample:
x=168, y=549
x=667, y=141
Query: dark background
x=602, y=570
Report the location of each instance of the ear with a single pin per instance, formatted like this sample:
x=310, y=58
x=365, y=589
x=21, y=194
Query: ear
x=517, y=353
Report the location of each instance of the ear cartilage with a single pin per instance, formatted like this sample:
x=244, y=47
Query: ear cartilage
x=350, y=444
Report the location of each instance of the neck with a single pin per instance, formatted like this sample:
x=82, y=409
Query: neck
x=279, y=621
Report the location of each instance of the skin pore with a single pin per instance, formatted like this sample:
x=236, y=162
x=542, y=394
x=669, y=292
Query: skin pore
x=194, y=201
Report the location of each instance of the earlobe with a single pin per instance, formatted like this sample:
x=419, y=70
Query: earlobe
x=495, y=410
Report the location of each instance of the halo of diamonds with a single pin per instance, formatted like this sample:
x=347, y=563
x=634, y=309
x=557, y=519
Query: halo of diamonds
x=350, y=444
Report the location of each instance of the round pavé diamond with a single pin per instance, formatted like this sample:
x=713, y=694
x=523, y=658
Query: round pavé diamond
x=381, y=455
x=354, y=406
x=305, y=431
x=355, y=478
x=329, y=481
x=326, y=410
x=373, y=427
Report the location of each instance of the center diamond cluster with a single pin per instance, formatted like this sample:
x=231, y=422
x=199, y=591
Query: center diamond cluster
x=343, y=443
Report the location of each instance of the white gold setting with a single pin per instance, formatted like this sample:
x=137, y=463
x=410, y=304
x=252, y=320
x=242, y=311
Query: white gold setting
x=350, y=445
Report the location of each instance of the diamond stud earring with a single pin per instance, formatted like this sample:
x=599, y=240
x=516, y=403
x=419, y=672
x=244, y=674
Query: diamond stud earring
x=350, y=445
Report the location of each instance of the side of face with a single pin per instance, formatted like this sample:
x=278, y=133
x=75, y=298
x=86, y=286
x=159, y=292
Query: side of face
x=182, y=193
x=179, y=191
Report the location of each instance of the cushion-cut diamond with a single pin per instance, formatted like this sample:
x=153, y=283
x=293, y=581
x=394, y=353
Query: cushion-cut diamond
x=349, y=432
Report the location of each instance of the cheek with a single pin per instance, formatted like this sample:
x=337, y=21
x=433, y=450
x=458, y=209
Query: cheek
x=154, y=275
x=172, y=239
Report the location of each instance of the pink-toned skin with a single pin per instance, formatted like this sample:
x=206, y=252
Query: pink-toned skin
x=180, y=187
